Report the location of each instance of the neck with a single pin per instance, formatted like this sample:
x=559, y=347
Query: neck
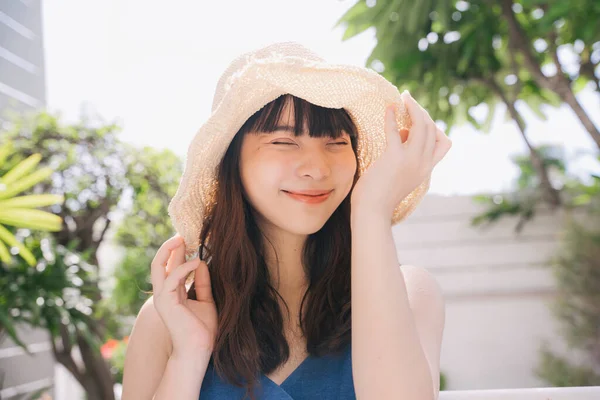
x=283, y=255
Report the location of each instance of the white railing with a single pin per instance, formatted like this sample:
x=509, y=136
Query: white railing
x=549, y=393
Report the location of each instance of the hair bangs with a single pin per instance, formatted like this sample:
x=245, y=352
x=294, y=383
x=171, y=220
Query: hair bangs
x=319, y=121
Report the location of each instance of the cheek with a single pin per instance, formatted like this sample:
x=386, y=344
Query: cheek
x=262, y=177
x=346, y=170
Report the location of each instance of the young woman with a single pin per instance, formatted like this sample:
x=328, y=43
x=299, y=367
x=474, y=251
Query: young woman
x=289, y=195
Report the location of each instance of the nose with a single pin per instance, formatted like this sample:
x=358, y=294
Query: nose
x=315, y=165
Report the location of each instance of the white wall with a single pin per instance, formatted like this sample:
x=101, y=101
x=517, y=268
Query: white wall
x=22, y=374
x=497, y=289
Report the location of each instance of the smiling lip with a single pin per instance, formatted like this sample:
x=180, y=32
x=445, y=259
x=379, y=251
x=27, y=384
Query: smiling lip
x=309, y=196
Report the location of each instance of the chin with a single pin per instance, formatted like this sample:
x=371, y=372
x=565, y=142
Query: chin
x=301, y=226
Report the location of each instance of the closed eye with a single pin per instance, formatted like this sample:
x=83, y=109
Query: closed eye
x=293, y=144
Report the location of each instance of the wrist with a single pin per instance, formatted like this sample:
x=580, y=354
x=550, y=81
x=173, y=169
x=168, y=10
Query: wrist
x=362, y=216
x=197, y=360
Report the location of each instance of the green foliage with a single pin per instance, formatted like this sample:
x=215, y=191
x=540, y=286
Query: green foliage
x=454, y=55
x=443, y=381
x=527, y=195
x=89, y=163
x=117, y=361
x=132, y=281
x=559, y=372
x=525, y=199
x=440, y=72
x=17, y=176
x=114, y=352
x=94, y=172
x=576, y=269
x=58, y=290
x=154, y=177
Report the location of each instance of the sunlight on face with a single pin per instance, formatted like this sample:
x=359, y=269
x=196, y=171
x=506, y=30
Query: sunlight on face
x=272, y=164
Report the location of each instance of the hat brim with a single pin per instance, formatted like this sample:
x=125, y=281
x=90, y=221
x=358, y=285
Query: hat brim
x=362, y=92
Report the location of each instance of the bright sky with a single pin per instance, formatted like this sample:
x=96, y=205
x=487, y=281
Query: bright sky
x=154, y=65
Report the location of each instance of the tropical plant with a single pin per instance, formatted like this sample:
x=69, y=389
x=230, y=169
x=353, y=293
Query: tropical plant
x=458, y=57
x=576, y=268
x=102, y=181
x=456, y=54
x=16, y=176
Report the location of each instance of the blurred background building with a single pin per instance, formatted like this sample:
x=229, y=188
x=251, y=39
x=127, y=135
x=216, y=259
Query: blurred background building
x=22, y=77
x=23, y=88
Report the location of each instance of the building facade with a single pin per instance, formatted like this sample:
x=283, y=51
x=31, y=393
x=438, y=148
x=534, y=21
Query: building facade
x=23, y=89
x=22, y=78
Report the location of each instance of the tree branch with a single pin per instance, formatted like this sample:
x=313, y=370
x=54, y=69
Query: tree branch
x=550, y=194
x=518, y=41
x=65, y=339
x=66, y=360
x=553, y=50
x=101, y=238
x=515, y=70
x=97, y=367
x=587, y=69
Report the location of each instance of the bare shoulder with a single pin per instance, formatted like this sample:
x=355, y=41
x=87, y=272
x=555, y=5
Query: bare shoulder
x=424, y=291
x=148, y=351
x=148, y=318
x=429, y=310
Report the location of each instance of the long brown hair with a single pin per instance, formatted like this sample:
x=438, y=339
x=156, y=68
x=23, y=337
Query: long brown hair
x=250, y=338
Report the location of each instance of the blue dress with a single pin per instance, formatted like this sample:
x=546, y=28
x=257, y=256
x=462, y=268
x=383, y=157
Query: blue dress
x=324, y=378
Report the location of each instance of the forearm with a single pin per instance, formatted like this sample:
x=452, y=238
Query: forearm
x=182, y=378
x=388, y=361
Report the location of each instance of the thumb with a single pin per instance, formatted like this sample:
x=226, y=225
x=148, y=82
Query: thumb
x=202, y=283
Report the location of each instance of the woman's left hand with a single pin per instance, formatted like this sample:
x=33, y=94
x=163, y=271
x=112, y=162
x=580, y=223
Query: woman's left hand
x=405, y=163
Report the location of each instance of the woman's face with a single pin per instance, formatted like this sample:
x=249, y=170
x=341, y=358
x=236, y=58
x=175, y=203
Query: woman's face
x=275, y=165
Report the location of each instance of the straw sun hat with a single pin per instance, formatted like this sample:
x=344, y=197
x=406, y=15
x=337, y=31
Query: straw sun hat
x=256, y=78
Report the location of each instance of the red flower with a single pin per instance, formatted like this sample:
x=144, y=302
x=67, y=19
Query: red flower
x=107, y=348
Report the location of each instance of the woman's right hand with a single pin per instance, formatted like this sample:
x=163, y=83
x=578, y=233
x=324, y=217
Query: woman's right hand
x=192, y=324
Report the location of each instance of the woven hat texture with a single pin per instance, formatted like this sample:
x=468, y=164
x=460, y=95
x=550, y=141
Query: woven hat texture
x=256, y=78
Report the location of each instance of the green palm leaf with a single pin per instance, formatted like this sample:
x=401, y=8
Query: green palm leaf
x=32, y=201
x=19, y=211
x=11, y=240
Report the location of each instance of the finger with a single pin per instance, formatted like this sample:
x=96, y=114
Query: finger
x=202, y=283
x=415, y=137
x=391, y=127
x=177, y=258
x=430, y=137
x=157, y=267
x=399, y=114
x=431, y=140
x=442, y=146
x=425, y=113
x=177, y=276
